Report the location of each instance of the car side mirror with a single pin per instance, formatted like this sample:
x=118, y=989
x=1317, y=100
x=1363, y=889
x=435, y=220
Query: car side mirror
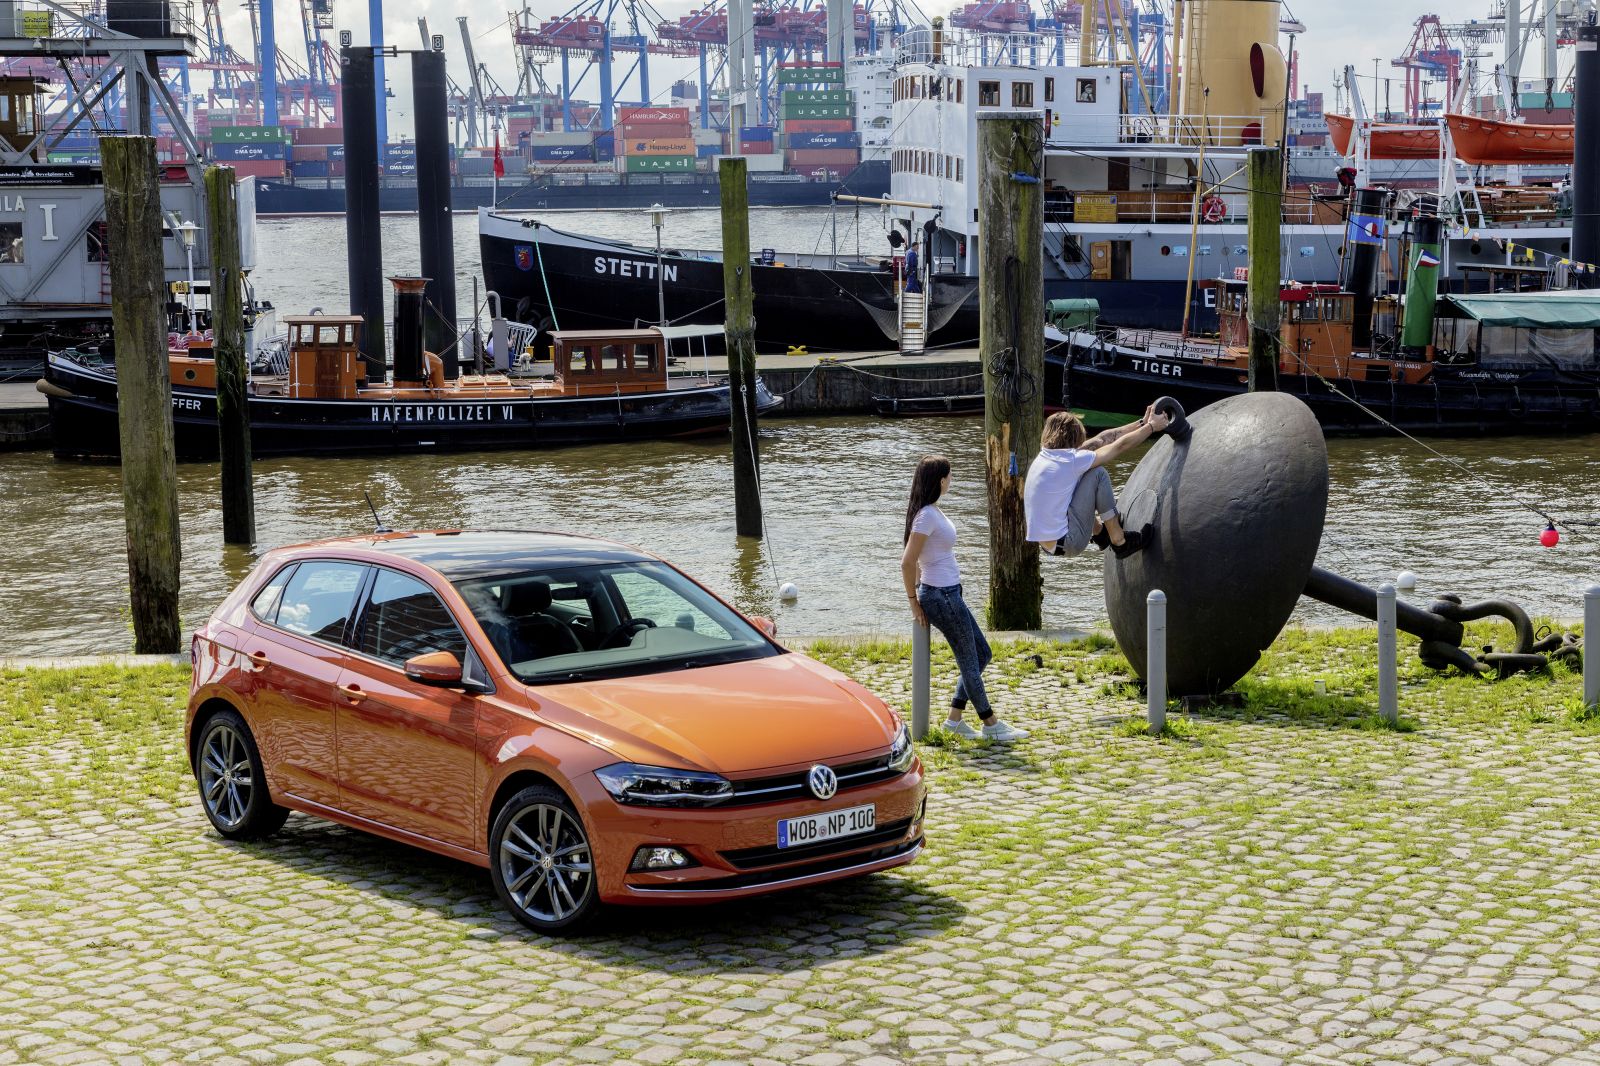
x=439, y=668
x=766, y=625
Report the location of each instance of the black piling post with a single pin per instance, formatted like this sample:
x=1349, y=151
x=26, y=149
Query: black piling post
x=365, y=242
x=437, y=236
x=1586, y=158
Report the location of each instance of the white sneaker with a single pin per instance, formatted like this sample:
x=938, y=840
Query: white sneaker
x=1000, y=731
x=961, y=729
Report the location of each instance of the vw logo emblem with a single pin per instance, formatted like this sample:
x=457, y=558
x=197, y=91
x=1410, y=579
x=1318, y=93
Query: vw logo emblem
x=822, y=781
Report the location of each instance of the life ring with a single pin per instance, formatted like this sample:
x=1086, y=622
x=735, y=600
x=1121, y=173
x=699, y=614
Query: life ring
x=1213, y=209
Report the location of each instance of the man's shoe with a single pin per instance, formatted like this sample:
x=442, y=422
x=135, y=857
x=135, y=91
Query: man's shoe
x=1102, y=539
x=961, y=729
x=1134, y=540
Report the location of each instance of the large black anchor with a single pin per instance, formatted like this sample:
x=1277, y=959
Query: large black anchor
x=1237, y=494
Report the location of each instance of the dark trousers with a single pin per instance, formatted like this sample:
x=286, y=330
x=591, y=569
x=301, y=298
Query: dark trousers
x=948, y=613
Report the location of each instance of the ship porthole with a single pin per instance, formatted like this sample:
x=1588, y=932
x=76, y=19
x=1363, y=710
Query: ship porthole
x=1476, y=248
x=1166, y=249
x=188, y=375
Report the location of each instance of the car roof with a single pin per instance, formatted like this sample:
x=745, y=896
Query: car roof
x=460, y=554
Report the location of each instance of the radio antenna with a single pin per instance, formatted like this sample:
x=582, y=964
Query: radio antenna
x=381, y=528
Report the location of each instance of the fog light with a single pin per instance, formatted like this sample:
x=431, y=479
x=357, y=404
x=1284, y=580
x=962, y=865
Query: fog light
x=659, y=858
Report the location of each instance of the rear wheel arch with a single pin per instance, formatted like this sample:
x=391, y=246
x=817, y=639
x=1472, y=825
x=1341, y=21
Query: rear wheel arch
x=208, y=710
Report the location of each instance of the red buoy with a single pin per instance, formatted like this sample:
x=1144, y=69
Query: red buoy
x=1549, y=538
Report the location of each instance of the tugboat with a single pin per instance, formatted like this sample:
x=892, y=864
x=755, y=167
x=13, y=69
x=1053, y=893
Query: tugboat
x=606, y=386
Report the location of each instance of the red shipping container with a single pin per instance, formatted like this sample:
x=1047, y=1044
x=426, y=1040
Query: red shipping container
x=819, y=125
x=311, y=153
x=654, y=131
x=319, y=135
x=755, y=147
x=824, y=157
x=260, y=168
x=664, y=115
x=336, y=168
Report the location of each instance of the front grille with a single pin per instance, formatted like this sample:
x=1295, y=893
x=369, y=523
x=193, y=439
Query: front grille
x=756, y=878
x=793, y=786
x=769, y=855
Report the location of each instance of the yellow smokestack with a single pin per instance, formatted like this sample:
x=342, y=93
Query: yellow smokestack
x=1232, y=50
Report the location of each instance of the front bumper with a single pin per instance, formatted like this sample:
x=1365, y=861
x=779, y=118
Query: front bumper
x=734, y=847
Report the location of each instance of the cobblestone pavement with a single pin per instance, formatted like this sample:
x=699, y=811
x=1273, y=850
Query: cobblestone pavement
x=1264, y=886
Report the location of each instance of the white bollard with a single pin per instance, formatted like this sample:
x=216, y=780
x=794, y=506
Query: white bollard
x=1155, y=670
x=1591, y=646
x=1388, y=651
x=921, y=680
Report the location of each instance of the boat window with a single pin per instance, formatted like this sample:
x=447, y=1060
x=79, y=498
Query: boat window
x=328, y=335
x=988, y=94
x=958, y=170
x=1049, y=90
x=96, y=244
x=1022, y=94
x=644, y=358
x=404, y=618
x=10, y=242
x=319, y=599
x=611, y=358
x=580, y=359
x=960, y=90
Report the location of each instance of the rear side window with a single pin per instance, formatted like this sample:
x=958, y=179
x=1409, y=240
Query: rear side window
x=404, y=618
x=319, y=599
x=265, y=605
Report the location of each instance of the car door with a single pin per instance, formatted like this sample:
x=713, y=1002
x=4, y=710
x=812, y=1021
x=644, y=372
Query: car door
x=407, y=750
x=296, y=648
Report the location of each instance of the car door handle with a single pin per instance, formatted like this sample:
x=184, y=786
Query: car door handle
x=258, y=660
x=353, y=693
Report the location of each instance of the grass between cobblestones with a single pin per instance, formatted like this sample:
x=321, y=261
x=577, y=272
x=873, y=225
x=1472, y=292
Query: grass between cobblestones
x=1271, y=882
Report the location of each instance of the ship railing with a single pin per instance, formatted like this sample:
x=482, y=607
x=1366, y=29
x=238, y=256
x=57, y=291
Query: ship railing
x=969, y=49
x=1187, y=131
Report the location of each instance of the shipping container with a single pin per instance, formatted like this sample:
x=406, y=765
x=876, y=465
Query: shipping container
x=810, y=74
x=755, y=148
x=816, y=111
x=655, y=115
x=559, y=153
x=822, y=140
x=403, y=150
x=265, y=168
x=319, y=135
x=235, y=151
x=309, y=168
x=336, y=168
x=756, y=164
x=706, y=151
x=666, y=146
x=818, y=96
x=820, y=125
x=655, y=164
x=537, y=137
x=335, y=153
x=755, y=133
x=250, y=133
x=308, y=152
x=651, y=131
x=824, y=157
x=604, y=152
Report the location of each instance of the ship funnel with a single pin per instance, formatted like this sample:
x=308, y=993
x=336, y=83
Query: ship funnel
x=1422, y=284
x=1365, y=235
x=1586, y=157
x=408, y=358
x=938, y=39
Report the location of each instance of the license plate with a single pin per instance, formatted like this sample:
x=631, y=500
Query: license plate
x=815, y=828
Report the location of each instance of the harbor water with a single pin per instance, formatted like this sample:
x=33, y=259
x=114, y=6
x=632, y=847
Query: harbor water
x=834, y=488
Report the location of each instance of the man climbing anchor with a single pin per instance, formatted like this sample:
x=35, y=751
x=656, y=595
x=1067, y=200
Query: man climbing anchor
x=1068, y=486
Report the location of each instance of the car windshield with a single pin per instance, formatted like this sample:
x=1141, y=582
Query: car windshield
x=596, y=620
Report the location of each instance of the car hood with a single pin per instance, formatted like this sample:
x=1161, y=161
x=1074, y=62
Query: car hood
x=732, y=718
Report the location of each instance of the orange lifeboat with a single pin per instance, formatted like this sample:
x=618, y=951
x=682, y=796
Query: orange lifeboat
x=1390, y=140
x=1487, y=141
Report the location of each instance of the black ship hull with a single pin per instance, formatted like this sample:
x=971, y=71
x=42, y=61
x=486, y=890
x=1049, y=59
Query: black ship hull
x=1453, y=400
x=326, y=197
x=83, y=419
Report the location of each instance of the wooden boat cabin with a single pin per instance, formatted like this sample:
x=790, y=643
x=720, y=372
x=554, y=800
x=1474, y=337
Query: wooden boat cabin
x=324, y=356
x=1315, y=333
x=592, y=362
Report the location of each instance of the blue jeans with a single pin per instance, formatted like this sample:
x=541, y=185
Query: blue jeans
x=948, y=613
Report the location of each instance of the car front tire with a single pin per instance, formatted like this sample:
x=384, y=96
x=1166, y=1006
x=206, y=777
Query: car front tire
x=542, y=862
x=233, y=786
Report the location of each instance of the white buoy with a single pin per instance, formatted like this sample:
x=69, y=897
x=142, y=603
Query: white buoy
x=787, y=592
x=1405, y=580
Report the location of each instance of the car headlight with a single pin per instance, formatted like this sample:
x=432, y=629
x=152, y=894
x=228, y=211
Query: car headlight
x=663, y=786
x=901, y=753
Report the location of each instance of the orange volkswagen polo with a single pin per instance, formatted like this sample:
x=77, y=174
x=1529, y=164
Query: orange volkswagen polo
x=578, y=716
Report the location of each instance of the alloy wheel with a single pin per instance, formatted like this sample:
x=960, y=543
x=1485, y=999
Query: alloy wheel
x=545, y=862
x=226, y=780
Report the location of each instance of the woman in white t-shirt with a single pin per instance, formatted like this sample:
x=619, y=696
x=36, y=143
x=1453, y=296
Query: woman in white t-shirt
x=933, y=585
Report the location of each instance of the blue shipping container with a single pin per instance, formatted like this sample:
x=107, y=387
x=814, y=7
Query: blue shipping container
x=825, y=140
x=706, y=151
x=554, y=153
x=400, y=151
x=755, y=133
x=604, y=153
x=251, y=151
x=309, y=168
x=335, y=153
x=606, y=141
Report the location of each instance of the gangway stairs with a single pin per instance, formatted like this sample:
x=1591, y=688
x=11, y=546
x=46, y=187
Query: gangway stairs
x=913, y=332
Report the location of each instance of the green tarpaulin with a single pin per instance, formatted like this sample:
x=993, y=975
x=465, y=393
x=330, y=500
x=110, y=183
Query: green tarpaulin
x=1528, y=310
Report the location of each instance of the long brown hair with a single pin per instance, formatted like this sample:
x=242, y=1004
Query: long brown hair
x=1063, y=430
x=926, y=484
